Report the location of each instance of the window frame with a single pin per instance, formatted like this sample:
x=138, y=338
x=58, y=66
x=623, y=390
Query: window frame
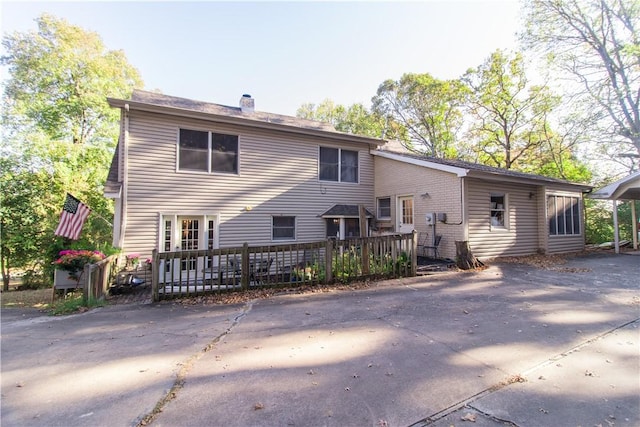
x=379, y=208
x=211, y=168
x=555, y=217
x=504, y=209
x=286, y=238
x=339, y=166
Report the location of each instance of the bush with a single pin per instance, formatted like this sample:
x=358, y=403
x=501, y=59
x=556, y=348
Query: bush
x=34, y=279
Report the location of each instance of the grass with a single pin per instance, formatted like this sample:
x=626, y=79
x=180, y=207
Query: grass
x=41, y=299
x=38, y=298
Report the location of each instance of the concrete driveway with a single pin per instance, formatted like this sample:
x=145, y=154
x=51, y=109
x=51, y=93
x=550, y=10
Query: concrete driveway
x=510, y=345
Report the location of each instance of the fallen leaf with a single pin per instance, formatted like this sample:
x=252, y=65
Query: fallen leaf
x=258, y=406
x=469, y=417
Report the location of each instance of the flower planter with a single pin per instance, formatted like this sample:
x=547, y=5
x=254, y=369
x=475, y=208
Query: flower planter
x=61, y=280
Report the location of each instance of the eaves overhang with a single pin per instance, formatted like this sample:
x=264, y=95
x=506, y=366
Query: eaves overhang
x=460, y=172
x=242, y=121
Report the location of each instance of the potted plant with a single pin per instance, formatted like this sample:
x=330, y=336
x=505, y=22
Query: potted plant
x=133, y=261
x=73, y=261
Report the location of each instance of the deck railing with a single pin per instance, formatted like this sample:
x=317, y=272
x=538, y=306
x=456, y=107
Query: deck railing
x=197, y=272
x=97, y=278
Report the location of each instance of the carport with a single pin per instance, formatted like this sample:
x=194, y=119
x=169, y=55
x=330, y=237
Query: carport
x=625, y=189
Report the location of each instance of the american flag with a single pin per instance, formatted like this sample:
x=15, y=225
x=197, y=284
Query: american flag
x=74, y=213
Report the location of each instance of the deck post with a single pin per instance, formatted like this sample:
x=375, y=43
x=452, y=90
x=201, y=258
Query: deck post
x=328, y=261
x=244, y=279
x=414, y=253
x=155, y=276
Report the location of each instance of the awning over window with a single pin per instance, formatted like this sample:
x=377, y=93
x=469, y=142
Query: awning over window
x=345, y=211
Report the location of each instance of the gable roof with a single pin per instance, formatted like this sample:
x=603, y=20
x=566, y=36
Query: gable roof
x=156, y=102
x=475, y=170
x=627, y=188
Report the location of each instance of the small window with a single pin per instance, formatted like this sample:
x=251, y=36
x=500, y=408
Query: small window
x=284, y=228
x=384, y=208
x=498, y=210
x=563, y=213
x=338, y=165
x=207, y=152
x=333, y=227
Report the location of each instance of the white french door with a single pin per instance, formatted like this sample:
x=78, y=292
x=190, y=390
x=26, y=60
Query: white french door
x=188, y=233
x=405, y=214
x=190, y=238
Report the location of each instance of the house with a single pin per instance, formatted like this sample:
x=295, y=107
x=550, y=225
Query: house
x=499, y=212
x=193, y=175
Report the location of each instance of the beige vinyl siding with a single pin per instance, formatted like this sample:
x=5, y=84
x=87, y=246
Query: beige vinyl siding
x=278, y=175
x=567, y=243
x=519, y=237
x=395, y=179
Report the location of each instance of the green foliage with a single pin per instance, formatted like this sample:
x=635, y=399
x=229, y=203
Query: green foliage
x=58, y=136
x=73, y=303
x=428, y=108
x=74, y=261
x=60, y=76
x=34, y=279
x=509, y=116
x=599, y=221
x=354, y=119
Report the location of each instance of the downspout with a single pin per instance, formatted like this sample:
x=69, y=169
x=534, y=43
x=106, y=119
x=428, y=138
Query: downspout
x=125, y=176
x=463, y=210
x=616, y=231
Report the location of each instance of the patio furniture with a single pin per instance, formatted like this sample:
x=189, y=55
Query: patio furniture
x=424, y=247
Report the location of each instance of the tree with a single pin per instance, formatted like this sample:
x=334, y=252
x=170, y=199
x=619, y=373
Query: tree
x=60, y=76
x=355, y=119
x=429, y=109
x=58, y=135
x=509, y=116
x=597, y=44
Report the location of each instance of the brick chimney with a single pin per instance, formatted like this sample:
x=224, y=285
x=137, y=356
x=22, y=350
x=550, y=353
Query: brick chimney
x=247, y=104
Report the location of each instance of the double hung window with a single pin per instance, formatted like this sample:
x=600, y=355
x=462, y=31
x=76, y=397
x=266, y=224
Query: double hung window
x=338, y=165
x=207, y=152
x=384, y=208
x=498, y=210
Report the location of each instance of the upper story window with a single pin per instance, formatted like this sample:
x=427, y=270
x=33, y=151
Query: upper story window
x=563, y=213
x=207, y=151
x=498, y=210
x=338, y=165
x=384, y=208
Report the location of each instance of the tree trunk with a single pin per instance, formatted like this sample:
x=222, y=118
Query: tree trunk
x=465, y=259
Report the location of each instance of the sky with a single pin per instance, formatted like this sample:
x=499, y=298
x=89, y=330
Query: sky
x=285, y=54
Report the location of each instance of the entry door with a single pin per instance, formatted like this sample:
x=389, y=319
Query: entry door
x=405, y=214
x=190, y=234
